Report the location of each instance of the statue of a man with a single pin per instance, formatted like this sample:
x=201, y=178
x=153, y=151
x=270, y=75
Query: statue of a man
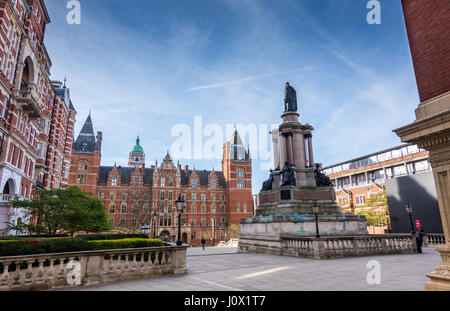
x=290, y=98
x=288, y=175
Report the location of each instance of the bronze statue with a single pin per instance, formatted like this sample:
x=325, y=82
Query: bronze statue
x=288, y=175
x=322, y=180
x=267, y=185
x=290, y=98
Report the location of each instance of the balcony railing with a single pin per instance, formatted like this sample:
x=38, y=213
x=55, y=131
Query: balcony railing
x=46, y=271
x=26, y=100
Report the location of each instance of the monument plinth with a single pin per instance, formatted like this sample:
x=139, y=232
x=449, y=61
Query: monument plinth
x=295, y=186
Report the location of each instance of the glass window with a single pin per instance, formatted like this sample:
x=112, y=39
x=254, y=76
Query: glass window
x=240, y=184
x=240, y=172
x=194, y=183
x=203, y=197
x=213, y=184
x=163, y=180
x=170, y=180
x=194, y=196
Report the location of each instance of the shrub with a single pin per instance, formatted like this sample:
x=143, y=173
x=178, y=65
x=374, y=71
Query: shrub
x=124, y=243
x=111, y=236
x=67, y=245
x=25, y=237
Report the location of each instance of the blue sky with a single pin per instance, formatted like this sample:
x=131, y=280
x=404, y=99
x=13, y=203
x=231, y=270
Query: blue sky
x=143, y=66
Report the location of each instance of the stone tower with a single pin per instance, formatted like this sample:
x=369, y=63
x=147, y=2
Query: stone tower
x=137, y=155
x=237, y=170
x=86, y=157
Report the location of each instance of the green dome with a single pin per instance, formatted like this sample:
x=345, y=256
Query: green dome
x=137, y=147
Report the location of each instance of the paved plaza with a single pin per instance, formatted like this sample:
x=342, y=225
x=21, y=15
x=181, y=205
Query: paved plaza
x=223, y=269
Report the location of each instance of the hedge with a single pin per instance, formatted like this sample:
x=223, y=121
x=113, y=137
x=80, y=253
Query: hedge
x=64, y=245
x=111, y=236
x=124, y=243
x=27, y=237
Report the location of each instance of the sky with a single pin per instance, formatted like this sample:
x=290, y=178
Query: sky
x=143, y=67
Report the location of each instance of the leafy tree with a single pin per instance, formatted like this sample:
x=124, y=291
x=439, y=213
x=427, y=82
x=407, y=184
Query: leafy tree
x=69, y=209
x=375, y=209
x=233, y=231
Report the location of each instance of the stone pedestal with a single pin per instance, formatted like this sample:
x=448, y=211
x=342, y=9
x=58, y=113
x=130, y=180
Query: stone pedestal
x=431, y=131
x=287, y=199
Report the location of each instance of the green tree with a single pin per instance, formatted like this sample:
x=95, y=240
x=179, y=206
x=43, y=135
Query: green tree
x=233, y=231
x=375, y=209
x=69, y=209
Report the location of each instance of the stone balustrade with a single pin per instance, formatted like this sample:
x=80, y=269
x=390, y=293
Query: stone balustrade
x=348, y=246
x=431, y=239
x=46, y=271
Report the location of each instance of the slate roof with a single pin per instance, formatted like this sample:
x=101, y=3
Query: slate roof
x=86, y=141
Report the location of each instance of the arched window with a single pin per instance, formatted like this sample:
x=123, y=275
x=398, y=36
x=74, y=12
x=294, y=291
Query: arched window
x=222, y=209
x=112, y=209
x=203, y=197
x=194, y=208
x=245, y=207
x=122, y=222
x=238, y=208
x=123, y=209
x=82, y=172
x=240, y=172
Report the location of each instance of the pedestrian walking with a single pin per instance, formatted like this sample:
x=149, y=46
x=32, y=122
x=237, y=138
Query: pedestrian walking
x=203, y=243
x=420, y=240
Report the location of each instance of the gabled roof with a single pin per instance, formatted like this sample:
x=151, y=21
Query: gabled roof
x=125, y=174
x=203, y=178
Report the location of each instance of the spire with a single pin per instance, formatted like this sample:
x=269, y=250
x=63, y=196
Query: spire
x=86, y=141
x=237, y=150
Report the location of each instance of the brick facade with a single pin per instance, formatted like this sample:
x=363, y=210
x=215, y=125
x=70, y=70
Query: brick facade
x=428, y=37
x=36, y=114
x=132, y=195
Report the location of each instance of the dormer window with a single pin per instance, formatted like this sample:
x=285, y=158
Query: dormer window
x=114, y=181
x=194, y=183
x=213, y=184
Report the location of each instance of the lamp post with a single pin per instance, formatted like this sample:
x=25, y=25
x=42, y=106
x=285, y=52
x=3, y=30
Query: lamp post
x=154, y=219
x=180, y=207
x=316, y=213
x=409, y=209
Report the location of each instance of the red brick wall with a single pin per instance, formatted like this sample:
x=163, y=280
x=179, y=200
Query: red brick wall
x=427, y=24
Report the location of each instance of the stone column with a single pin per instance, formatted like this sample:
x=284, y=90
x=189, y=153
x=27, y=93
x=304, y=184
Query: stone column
x=304, y=150
x=276, y=151
x=298, y=150
x=431, y=131
x=310, y=150
x=282, y=150
x=290, y=149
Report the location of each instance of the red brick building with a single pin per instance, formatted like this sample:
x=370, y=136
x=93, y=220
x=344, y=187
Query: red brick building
x=137, y=195
x=357, y=179
x=36, y=114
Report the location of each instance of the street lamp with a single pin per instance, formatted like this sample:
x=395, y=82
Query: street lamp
x=409, y=209
x=180, y=207
x=154, y=219
x=316, y=213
